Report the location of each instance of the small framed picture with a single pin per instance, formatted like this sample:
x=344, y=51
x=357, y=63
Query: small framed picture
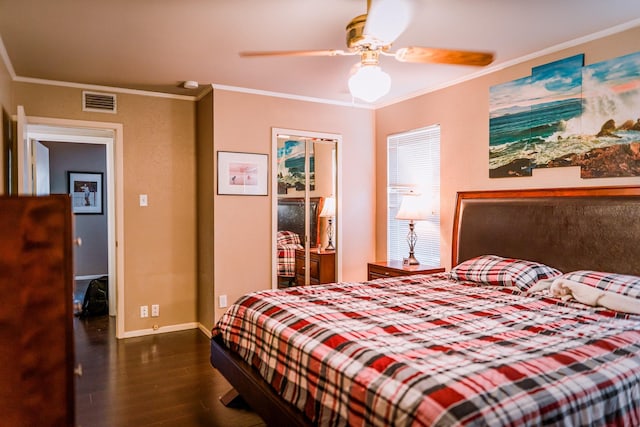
x=244, y=174
x=85, y=189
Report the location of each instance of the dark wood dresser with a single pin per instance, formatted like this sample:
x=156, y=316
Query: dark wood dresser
x=36, y=311
x=380, y=269
x=322, y=267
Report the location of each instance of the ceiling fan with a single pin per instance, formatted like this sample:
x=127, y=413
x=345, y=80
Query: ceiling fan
x=371, y=35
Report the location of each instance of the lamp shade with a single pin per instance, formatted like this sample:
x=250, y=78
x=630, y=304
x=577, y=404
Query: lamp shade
x=413, y=207
x=369, y=83
x=329, y=207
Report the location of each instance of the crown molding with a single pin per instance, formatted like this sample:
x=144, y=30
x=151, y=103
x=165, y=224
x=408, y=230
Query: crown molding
x=5, y=59
x=103, y=88
x=291, y=96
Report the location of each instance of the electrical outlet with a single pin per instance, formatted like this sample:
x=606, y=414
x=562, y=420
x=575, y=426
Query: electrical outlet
x=155, y=310
x=144, y=201
x=144, y=311
x=222, y=301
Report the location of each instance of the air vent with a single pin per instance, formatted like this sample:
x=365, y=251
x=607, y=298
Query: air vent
x=99, y=102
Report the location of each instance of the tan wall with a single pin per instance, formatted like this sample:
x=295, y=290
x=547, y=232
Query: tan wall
x=5, y=104
x=159, y=160
x=462, y=112
x=204, y=165
x=242, y=249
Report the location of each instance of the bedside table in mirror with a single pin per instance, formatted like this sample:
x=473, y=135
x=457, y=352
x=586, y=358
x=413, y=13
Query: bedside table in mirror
x=322, y=267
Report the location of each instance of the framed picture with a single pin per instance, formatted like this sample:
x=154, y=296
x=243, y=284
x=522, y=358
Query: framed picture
x=85, y=189
x=245, y=174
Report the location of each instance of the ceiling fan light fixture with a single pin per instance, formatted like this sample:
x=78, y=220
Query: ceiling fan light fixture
x=371, y=35
x=369, y=83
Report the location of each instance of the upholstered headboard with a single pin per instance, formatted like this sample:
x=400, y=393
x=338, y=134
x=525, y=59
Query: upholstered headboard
x=291, y=217
x=569, y=229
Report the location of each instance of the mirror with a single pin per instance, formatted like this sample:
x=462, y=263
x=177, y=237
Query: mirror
x=305, y=211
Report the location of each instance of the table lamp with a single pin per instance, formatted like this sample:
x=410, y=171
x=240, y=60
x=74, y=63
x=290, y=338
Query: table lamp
x=412, y=208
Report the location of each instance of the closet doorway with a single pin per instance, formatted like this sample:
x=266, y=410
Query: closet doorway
x=306, y=208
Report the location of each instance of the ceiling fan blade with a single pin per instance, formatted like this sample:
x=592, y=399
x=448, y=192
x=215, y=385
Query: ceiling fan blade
x=387, y=19
x=331, y=52
x=443, y=56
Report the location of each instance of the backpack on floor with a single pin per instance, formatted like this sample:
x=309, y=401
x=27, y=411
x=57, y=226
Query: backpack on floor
x=96, y=302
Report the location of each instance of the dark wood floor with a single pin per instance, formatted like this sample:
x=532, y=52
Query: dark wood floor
x=158, y=380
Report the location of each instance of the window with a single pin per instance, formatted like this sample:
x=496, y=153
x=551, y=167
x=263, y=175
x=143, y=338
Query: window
x=413, y=163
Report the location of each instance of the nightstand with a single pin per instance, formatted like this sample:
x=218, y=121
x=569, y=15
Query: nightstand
x=322, y=267
x=380, y=269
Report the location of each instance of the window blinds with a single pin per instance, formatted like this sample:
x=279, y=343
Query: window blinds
x=413, y=162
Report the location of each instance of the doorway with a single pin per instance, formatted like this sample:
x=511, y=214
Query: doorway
x=79, y=169
x=306, y=208
x=110, y=136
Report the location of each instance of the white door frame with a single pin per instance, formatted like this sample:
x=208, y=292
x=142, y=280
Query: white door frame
x=67, y=130
x=23, y=153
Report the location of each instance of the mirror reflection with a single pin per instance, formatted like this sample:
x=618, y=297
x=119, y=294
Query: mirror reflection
x=305, y=172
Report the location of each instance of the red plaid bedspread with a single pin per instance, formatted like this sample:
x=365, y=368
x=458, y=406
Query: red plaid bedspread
x=287, y=260
x=287, y=243
x=424, y=351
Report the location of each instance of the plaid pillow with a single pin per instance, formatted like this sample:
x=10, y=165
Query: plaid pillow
x=611, y=282
x=495, y=270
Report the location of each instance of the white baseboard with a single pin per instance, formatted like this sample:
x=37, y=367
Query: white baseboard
x=204, y=330
x=90, y=277
x=161, y=330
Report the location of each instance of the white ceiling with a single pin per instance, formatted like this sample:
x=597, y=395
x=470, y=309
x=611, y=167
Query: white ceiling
x=157, y=44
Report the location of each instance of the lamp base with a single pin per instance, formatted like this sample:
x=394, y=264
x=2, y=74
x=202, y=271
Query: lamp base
x=330, y=246
x=411, y=261
x=412, y=238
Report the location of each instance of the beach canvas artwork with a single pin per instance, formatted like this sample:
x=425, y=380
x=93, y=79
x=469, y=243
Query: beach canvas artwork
x=566, y=114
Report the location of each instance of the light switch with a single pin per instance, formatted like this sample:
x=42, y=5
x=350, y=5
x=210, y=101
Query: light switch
x=143, y=200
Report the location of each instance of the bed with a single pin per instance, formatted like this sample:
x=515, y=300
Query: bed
x=291, y=233
x=505, y=338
